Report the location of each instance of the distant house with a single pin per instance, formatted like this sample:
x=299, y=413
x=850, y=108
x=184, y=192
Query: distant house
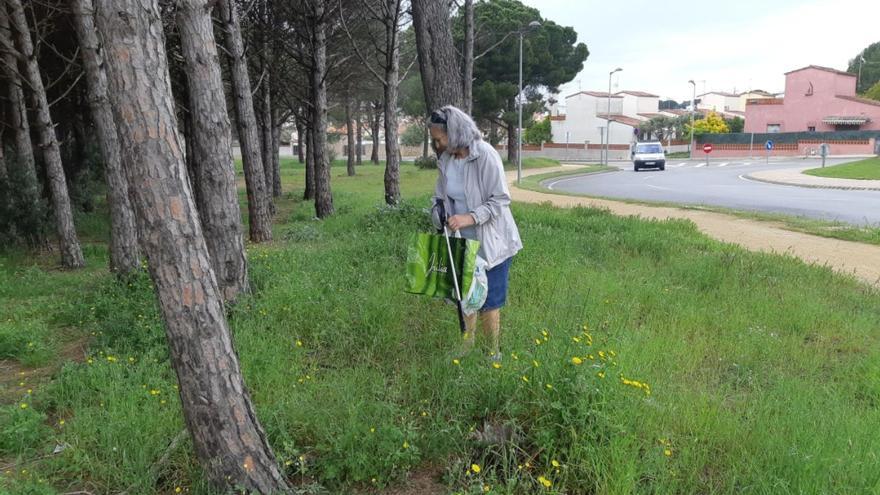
x=816, y=99
x=588, y=113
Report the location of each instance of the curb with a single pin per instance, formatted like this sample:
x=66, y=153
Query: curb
x=811, y=186
x=574, y=176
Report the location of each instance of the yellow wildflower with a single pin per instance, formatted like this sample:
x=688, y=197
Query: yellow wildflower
x=544, y=481
x=372, y=430
x=576, y=360
x=178, y=489
x=496, y=365
x=667, y=452
x=525, y=378
x=456, y=362
x=24, y=406
x=475, y=468
x=555, y=463
x=601, y=374
x=405, y=444
x=299, y=343
x=544, y=333
x=549, y=387
x=537, y=341
x=535, y=363
x=576, y=339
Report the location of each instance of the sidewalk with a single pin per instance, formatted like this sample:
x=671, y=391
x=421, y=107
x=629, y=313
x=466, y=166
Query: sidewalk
x=796, y=177
x=849, y=258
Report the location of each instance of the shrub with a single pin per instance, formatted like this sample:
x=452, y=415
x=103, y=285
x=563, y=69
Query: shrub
x=426, y=162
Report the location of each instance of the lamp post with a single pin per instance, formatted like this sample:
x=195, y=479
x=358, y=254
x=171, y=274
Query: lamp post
x=522, y=32
x=693, y=111
x=608, y=127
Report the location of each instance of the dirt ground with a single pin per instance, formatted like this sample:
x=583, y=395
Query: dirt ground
x=860, y=260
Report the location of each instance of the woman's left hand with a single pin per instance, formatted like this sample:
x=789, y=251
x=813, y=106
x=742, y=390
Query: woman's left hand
x=458, y=222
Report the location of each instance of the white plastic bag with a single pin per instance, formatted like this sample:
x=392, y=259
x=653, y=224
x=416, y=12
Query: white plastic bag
x=474, y=300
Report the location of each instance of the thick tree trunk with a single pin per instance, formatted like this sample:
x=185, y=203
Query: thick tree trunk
x=349, y=132
x=276, y=160
x=300, y=130
x=425, y=139
x=468, y=75
x=227, y=437
x=392, y=69
x=359, y=152
x=441, y=76
x=124, y=257
x=266, y=132
x=374, y=154
x=192, y=166
x=71, y=253
x=258, y=191
x=310, y=165
x=323, y=196
x=17, y=118
x=218, y=207
x=512, y=149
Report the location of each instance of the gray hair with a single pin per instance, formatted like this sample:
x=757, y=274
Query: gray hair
x=460, y=128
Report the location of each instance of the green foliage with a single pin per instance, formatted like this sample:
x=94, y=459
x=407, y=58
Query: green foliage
x=873, y=92
x=414, y=135
x=736, y=124
x=22, y=428
x=712, y=124
x=23, y=213
x=426, y=162
x=539, y=133
x=551, y=57
x=870, y=68
x=411, y=96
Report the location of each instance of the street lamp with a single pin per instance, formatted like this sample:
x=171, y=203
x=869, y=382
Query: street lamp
x=608, y=127
x=693, y=110
x=522, y=32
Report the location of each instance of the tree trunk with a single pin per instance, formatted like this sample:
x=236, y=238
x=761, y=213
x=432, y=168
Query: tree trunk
x=258, y=192
x=18, y=121
x=359, y=152
x=310, y=165
x=192, y=166
x=512, y=149
x=441, y=78
x=349, y=132
x=218, y=208
x=323, y=196
x=227, y=437
x=71, y=253
x=300, y=130
x=468, y=75
x=425, y=139
x=276, y=160
x=392, y=69
x=124, y=256
x=374, y=153
x=266, y=132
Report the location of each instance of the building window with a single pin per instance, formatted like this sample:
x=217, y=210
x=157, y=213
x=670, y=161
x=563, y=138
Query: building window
x=774, y=128
x=811, y=128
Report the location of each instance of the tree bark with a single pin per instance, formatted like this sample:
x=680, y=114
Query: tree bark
x=192, y=165
x=18, y=121
x=512, y=149
x=258, y=192
x=323, y=196
x=468, y=75
x=300, y=130
x=71, y=253
x=441, y=76
x=392, y=70
x=227, y=437
x=359, y=152
x=426, y=137
x=349, y=132
x=266, y=131
x=276, y=160
x=124, y=256
x=374, y=153
x=310, y=164
x=218, y=207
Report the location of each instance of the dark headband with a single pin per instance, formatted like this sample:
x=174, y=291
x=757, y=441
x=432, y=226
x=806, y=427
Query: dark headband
x=438, y=117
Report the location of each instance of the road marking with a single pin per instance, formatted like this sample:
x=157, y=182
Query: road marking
x=724, y=164
x=747, y=163
x=551, y=184
x=682, y=164
x=700, y=165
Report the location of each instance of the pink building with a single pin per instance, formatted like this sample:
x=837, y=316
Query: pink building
x=816, y=99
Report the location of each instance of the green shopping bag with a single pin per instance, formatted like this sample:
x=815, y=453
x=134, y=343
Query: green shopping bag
x=427, y=265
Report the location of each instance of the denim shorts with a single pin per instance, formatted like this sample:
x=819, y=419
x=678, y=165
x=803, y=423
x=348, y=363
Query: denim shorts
x=498, y=279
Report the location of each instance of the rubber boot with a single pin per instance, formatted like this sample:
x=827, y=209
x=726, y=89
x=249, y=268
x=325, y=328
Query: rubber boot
x=490, y=322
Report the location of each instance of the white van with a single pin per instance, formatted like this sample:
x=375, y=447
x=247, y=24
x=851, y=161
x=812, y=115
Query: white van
x=648, y=155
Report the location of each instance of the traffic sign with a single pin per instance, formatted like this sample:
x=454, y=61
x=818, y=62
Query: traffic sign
x=707, y=148
x=769, y=145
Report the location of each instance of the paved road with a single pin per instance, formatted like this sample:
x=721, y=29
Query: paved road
x=723, y=183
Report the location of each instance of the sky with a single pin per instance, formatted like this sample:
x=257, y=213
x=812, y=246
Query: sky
x=723, y=46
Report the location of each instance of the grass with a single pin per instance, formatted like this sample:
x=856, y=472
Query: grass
x=822, y=228
x=704, y=368
x=678, y=154
x=868, y=169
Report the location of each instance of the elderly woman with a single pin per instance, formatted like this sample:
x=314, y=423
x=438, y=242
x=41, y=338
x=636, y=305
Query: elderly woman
x=473, y=188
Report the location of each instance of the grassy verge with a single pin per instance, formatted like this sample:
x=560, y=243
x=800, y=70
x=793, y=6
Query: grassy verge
x=678, y=154
x=868, y=169
x=831, y=230
x=528, y=163
x=640, y=357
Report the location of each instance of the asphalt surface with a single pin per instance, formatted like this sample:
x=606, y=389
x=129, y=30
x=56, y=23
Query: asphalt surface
x=724, y=183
